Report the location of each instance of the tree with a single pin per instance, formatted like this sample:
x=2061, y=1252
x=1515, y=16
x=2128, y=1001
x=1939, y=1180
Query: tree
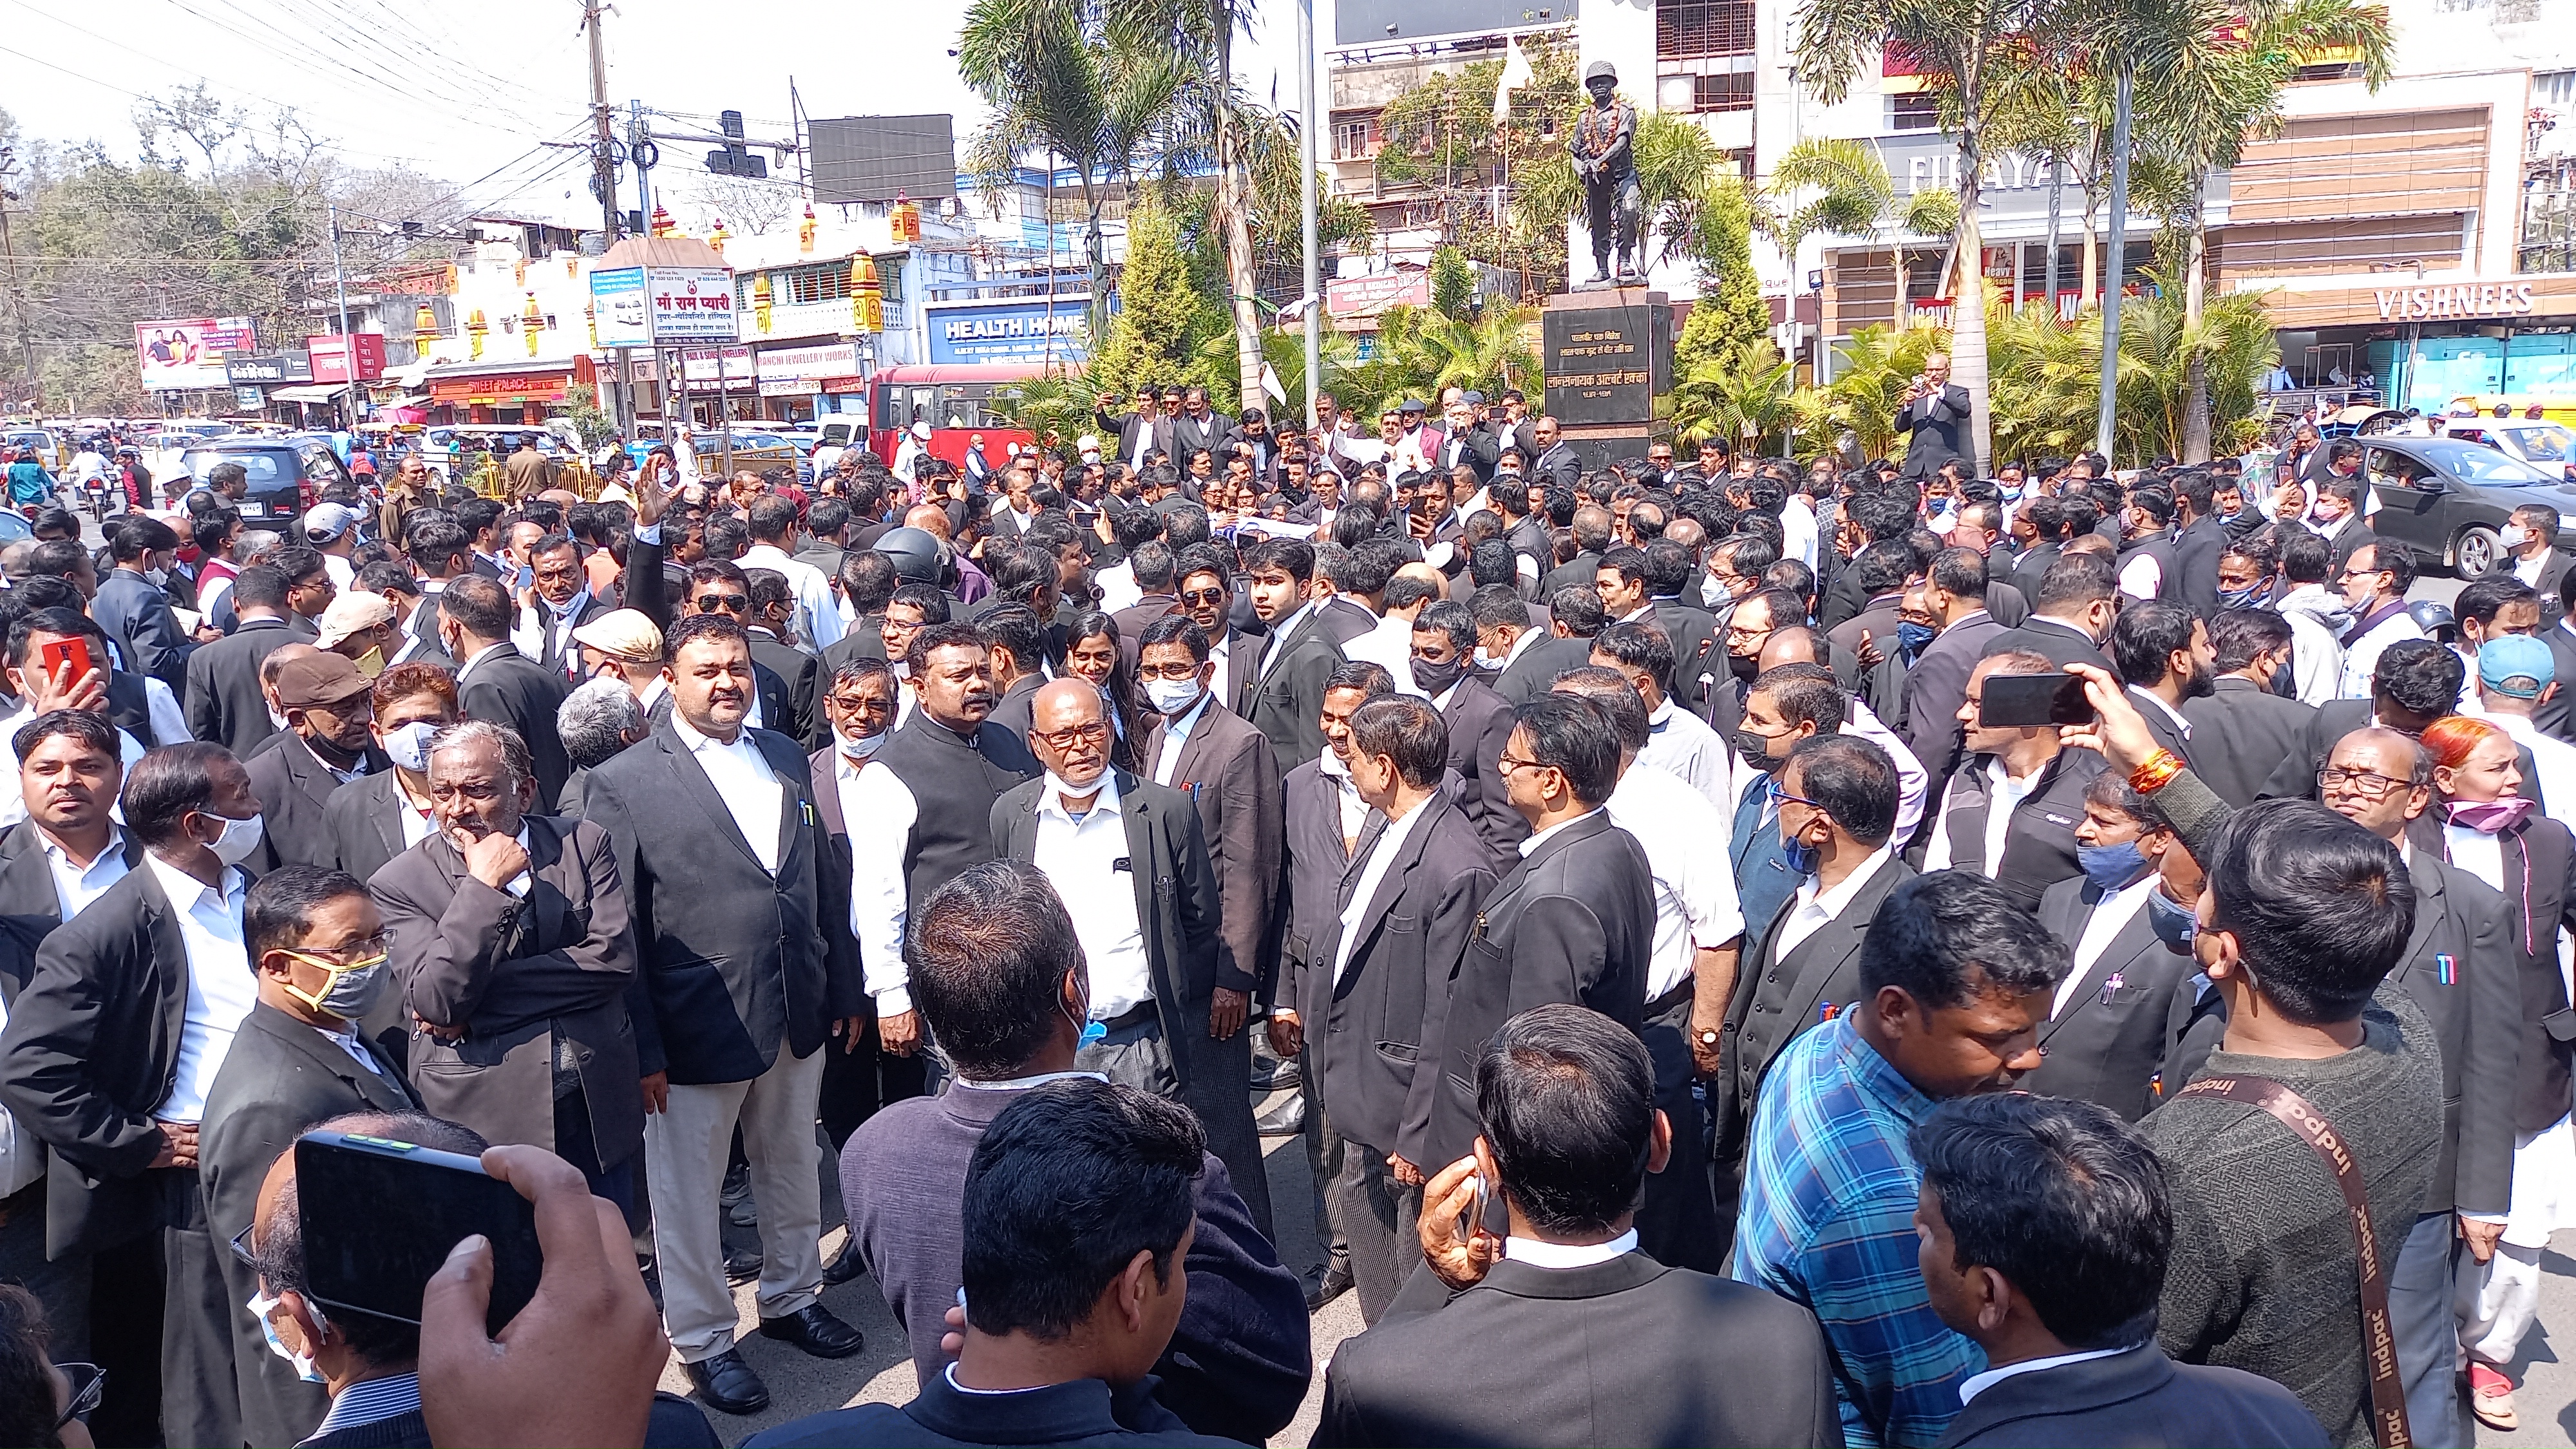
x=1061, y=80
x=1846, y=191
x=1500, y=191
x=1741, y=395
x=1154, y=338
x=1730, y=316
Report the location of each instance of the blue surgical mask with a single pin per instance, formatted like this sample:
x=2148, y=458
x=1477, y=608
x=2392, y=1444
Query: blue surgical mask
x=2110, y=867
x=1798, y=856
x=2175, y=923
x=2012, y=491
x=1911, y=637
x=2239, y=598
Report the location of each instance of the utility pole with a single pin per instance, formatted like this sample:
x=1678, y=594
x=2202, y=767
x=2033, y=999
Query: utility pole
x=1306, y=219
x=2124, y=96
x=603, y=180
x=348, y=344
x=17, y=294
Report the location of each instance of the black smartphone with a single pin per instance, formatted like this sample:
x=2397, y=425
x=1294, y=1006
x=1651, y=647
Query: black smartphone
x=2013, y=701
x=380, y=1216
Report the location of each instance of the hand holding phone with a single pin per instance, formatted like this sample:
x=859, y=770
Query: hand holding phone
x=1454, y=1241
x=2024, y=701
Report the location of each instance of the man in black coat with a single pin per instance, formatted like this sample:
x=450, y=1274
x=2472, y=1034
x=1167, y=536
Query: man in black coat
x=1954, y=593
x=1129, y=859
x=2070, y=615
x=1933, y=413
x=316, y=948
x=2108, y=1038
x=383, y=813
x=1279, y=678
x=563, y=603
x=222, y=698
x=329, y=743
x=773, y=611
x=1573, y=921
x=1477, y=722
x=737, y=994
x=512, y=952
x=1483, y=1349
x=111, y=1048
x=2037, y=781
x=498, y=683
x=135, y=611
x=2046, y=1230
x=1376, y=985
x=2199, y=538
x=2250, y=730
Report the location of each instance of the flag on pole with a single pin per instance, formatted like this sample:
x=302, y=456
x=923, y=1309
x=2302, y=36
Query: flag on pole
x=1270, y=383
x=1516, y=72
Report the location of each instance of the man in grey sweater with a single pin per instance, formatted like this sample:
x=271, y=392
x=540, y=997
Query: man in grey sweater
x=2303, y=918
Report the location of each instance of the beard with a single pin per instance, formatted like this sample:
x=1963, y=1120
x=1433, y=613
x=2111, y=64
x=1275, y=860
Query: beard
x=2202, y=683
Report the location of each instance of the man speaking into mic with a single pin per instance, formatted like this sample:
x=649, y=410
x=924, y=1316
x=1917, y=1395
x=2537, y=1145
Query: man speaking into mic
x=1934, y=411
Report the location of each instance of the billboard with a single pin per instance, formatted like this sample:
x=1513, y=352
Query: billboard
x=617, y=307
x=641, y=306
x=323, y=351
x=877, y=158
x=1018, y=330
x=189, y=352
x=1378, y=22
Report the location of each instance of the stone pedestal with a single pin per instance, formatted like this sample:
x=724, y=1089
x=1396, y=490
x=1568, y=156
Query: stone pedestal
x=1606, y=353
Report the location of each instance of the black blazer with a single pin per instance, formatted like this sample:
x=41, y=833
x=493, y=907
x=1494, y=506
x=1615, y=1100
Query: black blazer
x=1626, y=1352
x=1934, y=689
x=2110, y=1042
x=1232, y=781
x=2140, y=1398
x=1574, y=921
x=2245, y=732
x=1777, y=998
x=2476, y=1015
x=1480, y=724
x=2196, y=550
x=526, y=978
x=732, y=961
x=1310, y=908
x=364, y=820
x=1176, y=895
x=1015, y=707
x=92, y=1046
x=2063, y=644
x=1287, y=701
x=294, y=791
x=221, y=694
x=2039, y=842
x=2539, y=861
x=29, y=908
x=280, y=1079
x=1938, y=426
x=1536, y=670
x=1365, y=1030
x=799, y=675
x=2030, y=566
x=508, y=688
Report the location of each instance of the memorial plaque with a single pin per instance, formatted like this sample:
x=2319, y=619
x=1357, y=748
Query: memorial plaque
x=1606, y=355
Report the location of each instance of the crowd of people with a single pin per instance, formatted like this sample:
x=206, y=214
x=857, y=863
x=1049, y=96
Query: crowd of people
x=1711, y=1018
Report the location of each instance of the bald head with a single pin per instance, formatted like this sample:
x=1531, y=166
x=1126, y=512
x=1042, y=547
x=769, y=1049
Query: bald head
x=1789, y=644
x=930, y=518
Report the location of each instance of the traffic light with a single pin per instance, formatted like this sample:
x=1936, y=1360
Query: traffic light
x=734, y=159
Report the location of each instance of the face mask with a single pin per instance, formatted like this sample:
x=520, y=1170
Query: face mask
x=2513, y=535
x=2174, y=922
x=1172, y=696
x=2284, y=683
x=1800, y=857
x=2492, y=817
x=1487, y=658
x=1911, y=637
x=239, y=839
x=353, y=991
x=2239, y=598
x=1754, y=748
x=371, y=663
x=2110, y=867
x=1711, y=592
x=156, y=577
x=261, y=1306
x=2012, y=491
x=860, y=749
x=1437, y=679
x=1743, y=666
x=408, y=747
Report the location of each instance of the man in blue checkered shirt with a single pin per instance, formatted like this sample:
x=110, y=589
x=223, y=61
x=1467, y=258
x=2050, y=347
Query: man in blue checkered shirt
x=1955, y=982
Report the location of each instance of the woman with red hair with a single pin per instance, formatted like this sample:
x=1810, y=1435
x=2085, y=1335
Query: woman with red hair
x=2494, y=831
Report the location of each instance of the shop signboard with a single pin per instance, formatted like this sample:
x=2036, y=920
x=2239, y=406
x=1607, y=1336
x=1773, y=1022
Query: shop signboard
x=644, y=306
x=1019, y=330
x=617, y=304
x=177, y=354
x=804, y=365
x=325, y=349
x=250, y=368
x=714, y=364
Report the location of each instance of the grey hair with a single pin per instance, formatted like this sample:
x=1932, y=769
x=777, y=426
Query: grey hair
x=515, y=760
x=597, y=720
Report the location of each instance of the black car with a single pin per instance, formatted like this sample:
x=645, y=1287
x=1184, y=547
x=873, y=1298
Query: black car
x=2446, y=499
x=287, y=475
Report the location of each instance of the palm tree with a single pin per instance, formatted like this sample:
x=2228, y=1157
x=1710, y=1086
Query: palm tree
x=1741, y=396
x=1060, y=80
x=1847, y=192
x=1426, y=350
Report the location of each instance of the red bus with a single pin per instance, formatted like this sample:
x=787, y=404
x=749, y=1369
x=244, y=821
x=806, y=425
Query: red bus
x=955, y=398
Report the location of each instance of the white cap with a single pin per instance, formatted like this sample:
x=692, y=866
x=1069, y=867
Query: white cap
x=921, y=429
x=1087, y=443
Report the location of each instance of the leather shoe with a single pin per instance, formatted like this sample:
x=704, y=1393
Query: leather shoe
x=845, y=1267
x=742, y=1265
x=1285, y=1120
x=814, y=1329
x=1279, y=1075
x=725, y=1382
x=1327, y=1288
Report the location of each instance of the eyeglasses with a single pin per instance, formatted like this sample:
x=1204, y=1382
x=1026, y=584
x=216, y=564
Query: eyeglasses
x=1092, y=733
x=368, y=949
x=2368, y=784
x=1780, y=796
x=1510, y=763
x=89, y=1387
x=731, y=603
x=241, y=1250
x=1203, y=596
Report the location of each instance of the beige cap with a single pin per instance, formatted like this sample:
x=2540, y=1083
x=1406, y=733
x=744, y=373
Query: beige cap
x=354, y=612
x=626, y=633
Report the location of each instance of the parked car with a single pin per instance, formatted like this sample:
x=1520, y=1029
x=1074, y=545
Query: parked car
x=2445, y=499
x=2549, y=447
x=286, y=476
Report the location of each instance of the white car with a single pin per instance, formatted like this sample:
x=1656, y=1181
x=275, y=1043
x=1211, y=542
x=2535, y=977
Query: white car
x=2550, y=447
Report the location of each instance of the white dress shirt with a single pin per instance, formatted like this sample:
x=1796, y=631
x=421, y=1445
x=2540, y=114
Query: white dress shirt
x=1221, y=654
x=2109, y=919
x=877, y=887
x=1679, y=743
x=750, y=789
x=1684, y=837
x=1389, y=644
x=1176, y=733
x=1279, y=632
x=74, y=887
x=1082, y=859
x=1117, y=585
x=1354, y=810
x=2361, y=656
x=2004, y=795
x=161, y=706
x=818, y=609
x=1976, y=1384
x=1814, y=910
x=1381, y=858
x=2475, y=851
x=221, y=988
x=1538, y=1254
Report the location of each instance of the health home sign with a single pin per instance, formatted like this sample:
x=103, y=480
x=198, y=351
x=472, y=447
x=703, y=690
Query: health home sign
x=1017, y=331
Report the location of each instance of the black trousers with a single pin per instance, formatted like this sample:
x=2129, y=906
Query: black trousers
x=62, y=1287
x=1377, y=1216
x=1678, y=1223
x=200, y=1402
x=857, y=1083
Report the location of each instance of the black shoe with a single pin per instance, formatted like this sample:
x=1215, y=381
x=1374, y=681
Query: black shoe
x=1285, y=1120
x=1327, y=1288
x=814, y=1329
x=725, y=1382
x=844, y=1268
x=742, y=1265
x=1282, y=1074
x=653, y=1284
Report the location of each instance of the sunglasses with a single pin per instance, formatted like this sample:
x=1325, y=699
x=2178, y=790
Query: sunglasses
x=89, y=1387
x=1204, y=596
x=734, y=603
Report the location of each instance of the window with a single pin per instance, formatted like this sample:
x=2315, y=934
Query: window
x=1355, y=140
x=1722, y=92
x=1914, y=111
x=806, y=285
x=1688, y=28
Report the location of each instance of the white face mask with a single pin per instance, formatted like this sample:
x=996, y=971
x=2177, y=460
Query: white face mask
x=2513, y=535
x=408, y=747
x=261, y=1305
x=859, y=749
x=239, y=839
x=1172, y=696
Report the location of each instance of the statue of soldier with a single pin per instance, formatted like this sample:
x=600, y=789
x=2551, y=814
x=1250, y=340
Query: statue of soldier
x=1605, y=162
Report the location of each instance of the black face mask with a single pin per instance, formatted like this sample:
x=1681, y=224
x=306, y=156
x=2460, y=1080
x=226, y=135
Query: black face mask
x=2284, y=683
x=1743, y=667
x=1755, y=748
x=1436, y=679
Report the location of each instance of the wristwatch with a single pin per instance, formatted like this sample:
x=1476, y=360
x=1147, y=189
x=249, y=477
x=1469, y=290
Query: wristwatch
x=1708, y=1036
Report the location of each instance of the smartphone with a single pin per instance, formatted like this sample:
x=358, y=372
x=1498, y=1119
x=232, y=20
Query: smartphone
x=74, y=652
x=2022, y=700
x=1474, y=1217
x=380, y=1216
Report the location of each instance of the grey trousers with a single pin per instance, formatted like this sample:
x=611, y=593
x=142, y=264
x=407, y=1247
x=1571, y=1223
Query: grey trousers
x=1325, y=1151
x=685, y=1149
x=2420, y=1313
x=1377, y=1216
